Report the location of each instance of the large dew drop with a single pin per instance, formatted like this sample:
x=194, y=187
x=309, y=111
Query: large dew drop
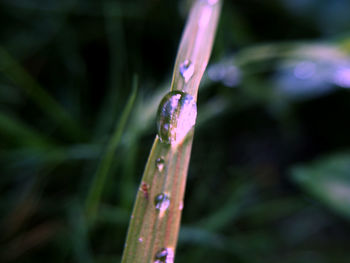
x=162, y=202
x=176, y=116
x=164, y=255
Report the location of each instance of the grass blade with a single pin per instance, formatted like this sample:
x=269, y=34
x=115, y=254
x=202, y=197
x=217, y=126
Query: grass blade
x=155, y=221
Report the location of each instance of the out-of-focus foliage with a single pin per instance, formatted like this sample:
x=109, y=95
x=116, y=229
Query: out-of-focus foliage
x=328, y=180
x=275, y=99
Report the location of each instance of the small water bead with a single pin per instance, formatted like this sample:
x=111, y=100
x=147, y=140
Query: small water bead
x=187, y=70
x=161, y=202
x=164, y=255
x=176, y=116
x=140, y=239
x=160, y=164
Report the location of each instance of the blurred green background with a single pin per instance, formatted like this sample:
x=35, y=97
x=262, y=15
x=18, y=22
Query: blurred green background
x=269, y=178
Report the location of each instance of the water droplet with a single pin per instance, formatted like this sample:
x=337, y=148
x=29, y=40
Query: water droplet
x=162, y=202
x=176, y=116
x=186, y=70
x=140, y=239
x=160, y=164
x=164, y=255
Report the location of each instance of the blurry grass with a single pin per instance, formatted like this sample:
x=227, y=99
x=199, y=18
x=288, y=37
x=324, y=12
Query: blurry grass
x=327, y=180
x=97, y=185
x=40, y=96
x=118, y=55
x=21, y=134
x=79, y=236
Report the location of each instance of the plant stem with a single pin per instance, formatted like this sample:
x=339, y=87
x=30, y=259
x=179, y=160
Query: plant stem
x=153, y=231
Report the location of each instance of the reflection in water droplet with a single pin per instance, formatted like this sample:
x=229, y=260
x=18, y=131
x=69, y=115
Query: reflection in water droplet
x=164, y=255
x=162, y=202
x=160, y=164
x=176, y=116
x=140, y=239
x=186, y=70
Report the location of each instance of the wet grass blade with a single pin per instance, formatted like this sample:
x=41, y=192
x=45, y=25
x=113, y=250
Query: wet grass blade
x=155, y=221
x=20, y=77
x=94, y=196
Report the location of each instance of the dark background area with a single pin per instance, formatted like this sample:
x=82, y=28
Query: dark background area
x=269, y=178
